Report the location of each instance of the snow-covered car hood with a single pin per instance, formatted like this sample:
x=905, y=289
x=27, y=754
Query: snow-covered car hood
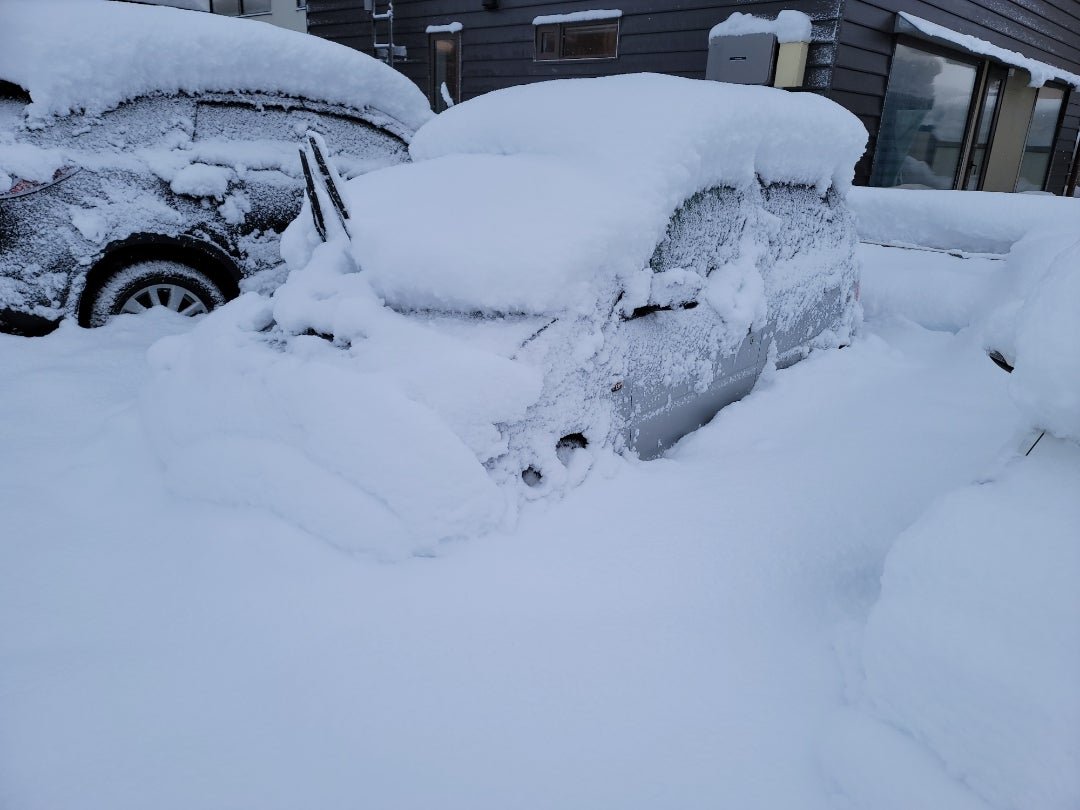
x=545, y=198
x=113, y=52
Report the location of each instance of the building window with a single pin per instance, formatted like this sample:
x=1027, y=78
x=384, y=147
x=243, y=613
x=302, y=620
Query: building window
x=444, y=52
x=923, y=125
x=1038, y=147
x=578, y=40
x=240, y=8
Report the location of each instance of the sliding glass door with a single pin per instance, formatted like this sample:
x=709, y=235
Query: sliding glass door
x=921, y=140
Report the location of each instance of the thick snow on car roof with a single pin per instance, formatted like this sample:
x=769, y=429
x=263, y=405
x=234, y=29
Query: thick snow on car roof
x=534, y=198
x=92, y=55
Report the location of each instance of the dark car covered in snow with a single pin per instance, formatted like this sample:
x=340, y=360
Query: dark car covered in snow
x=157, y=162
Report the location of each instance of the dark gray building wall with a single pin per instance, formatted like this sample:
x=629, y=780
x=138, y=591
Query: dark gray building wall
x=670, y=36
x=1043, y=30
x=848, y=60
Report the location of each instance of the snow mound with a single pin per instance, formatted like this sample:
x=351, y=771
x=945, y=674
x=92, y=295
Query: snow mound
x=113, y=52
x=343, y=444
x=547, y=218
x=1046, y=382
x=789, y=26
x=971, y=221
x=972, y=649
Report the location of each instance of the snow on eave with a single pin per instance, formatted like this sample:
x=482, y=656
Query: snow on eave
x=1041, y=72
x=579, y=16
x=448, y=28
x=93, y=55
x=789, y=26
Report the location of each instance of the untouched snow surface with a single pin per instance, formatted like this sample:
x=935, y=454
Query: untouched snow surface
x=689, y=632
x=92, y=55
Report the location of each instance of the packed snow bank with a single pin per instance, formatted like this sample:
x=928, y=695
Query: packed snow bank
x=972, y=649
x=789, y=26
x=970, y=221
x=936, y=289
x=1046, y=381
x=549, y=219
x=92, y=55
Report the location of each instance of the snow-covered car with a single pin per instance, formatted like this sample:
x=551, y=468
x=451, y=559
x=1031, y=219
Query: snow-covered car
x=645, y=245
x=148, y=155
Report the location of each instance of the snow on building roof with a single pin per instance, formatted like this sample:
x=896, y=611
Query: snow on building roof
x=789, y=26
x=1041, y=72
x=534, y=198
x=92, y=55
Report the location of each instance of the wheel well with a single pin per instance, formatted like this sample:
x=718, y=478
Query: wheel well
x=196, y=253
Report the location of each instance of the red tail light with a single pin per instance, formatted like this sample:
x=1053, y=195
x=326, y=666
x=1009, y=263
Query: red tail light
x=23, y=187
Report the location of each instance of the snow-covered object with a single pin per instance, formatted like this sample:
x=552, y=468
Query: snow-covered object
x=1041, y=72
x=971, y=221
x=324, y=439
x=579, y=16
x=545, y=218
x=448, y=28
x=972, y=649
x=92, y=55
x=1046, y=380
x=789, y=26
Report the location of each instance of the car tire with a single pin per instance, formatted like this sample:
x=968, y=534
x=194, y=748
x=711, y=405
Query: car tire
x=156, y=282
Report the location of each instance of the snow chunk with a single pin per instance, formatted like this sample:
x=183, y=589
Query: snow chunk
x=1046, y=381
x=114, y=52
x=201, y=180
x=578, y=16
x=1041, y=72
x=449, y=28
x=972, y=649
x=789, y=26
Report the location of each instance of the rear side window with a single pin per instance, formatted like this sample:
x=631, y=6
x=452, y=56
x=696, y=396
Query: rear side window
x=268, y=137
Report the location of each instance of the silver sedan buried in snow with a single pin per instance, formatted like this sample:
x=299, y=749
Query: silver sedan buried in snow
x=647, y=272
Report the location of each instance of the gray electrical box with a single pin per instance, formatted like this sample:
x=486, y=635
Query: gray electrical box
x=745, y=59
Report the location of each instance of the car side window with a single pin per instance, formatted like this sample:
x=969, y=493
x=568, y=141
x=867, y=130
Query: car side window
x=703, y=233
x=152, y=121
x=262, y=136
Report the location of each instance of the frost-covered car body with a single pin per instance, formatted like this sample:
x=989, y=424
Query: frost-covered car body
x=647, y=263
x=109, y=176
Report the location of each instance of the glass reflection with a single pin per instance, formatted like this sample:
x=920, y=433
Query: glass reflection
x=1040, y=140
x=925, y=117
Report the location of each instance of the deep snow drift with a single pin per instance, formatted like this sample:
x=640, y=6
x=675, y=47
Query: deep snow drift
x=686, y=632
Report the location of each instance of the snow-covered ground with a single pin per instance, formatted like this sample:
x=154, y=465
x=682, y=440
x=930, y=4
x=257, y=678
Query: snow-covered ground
x=850, y=590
